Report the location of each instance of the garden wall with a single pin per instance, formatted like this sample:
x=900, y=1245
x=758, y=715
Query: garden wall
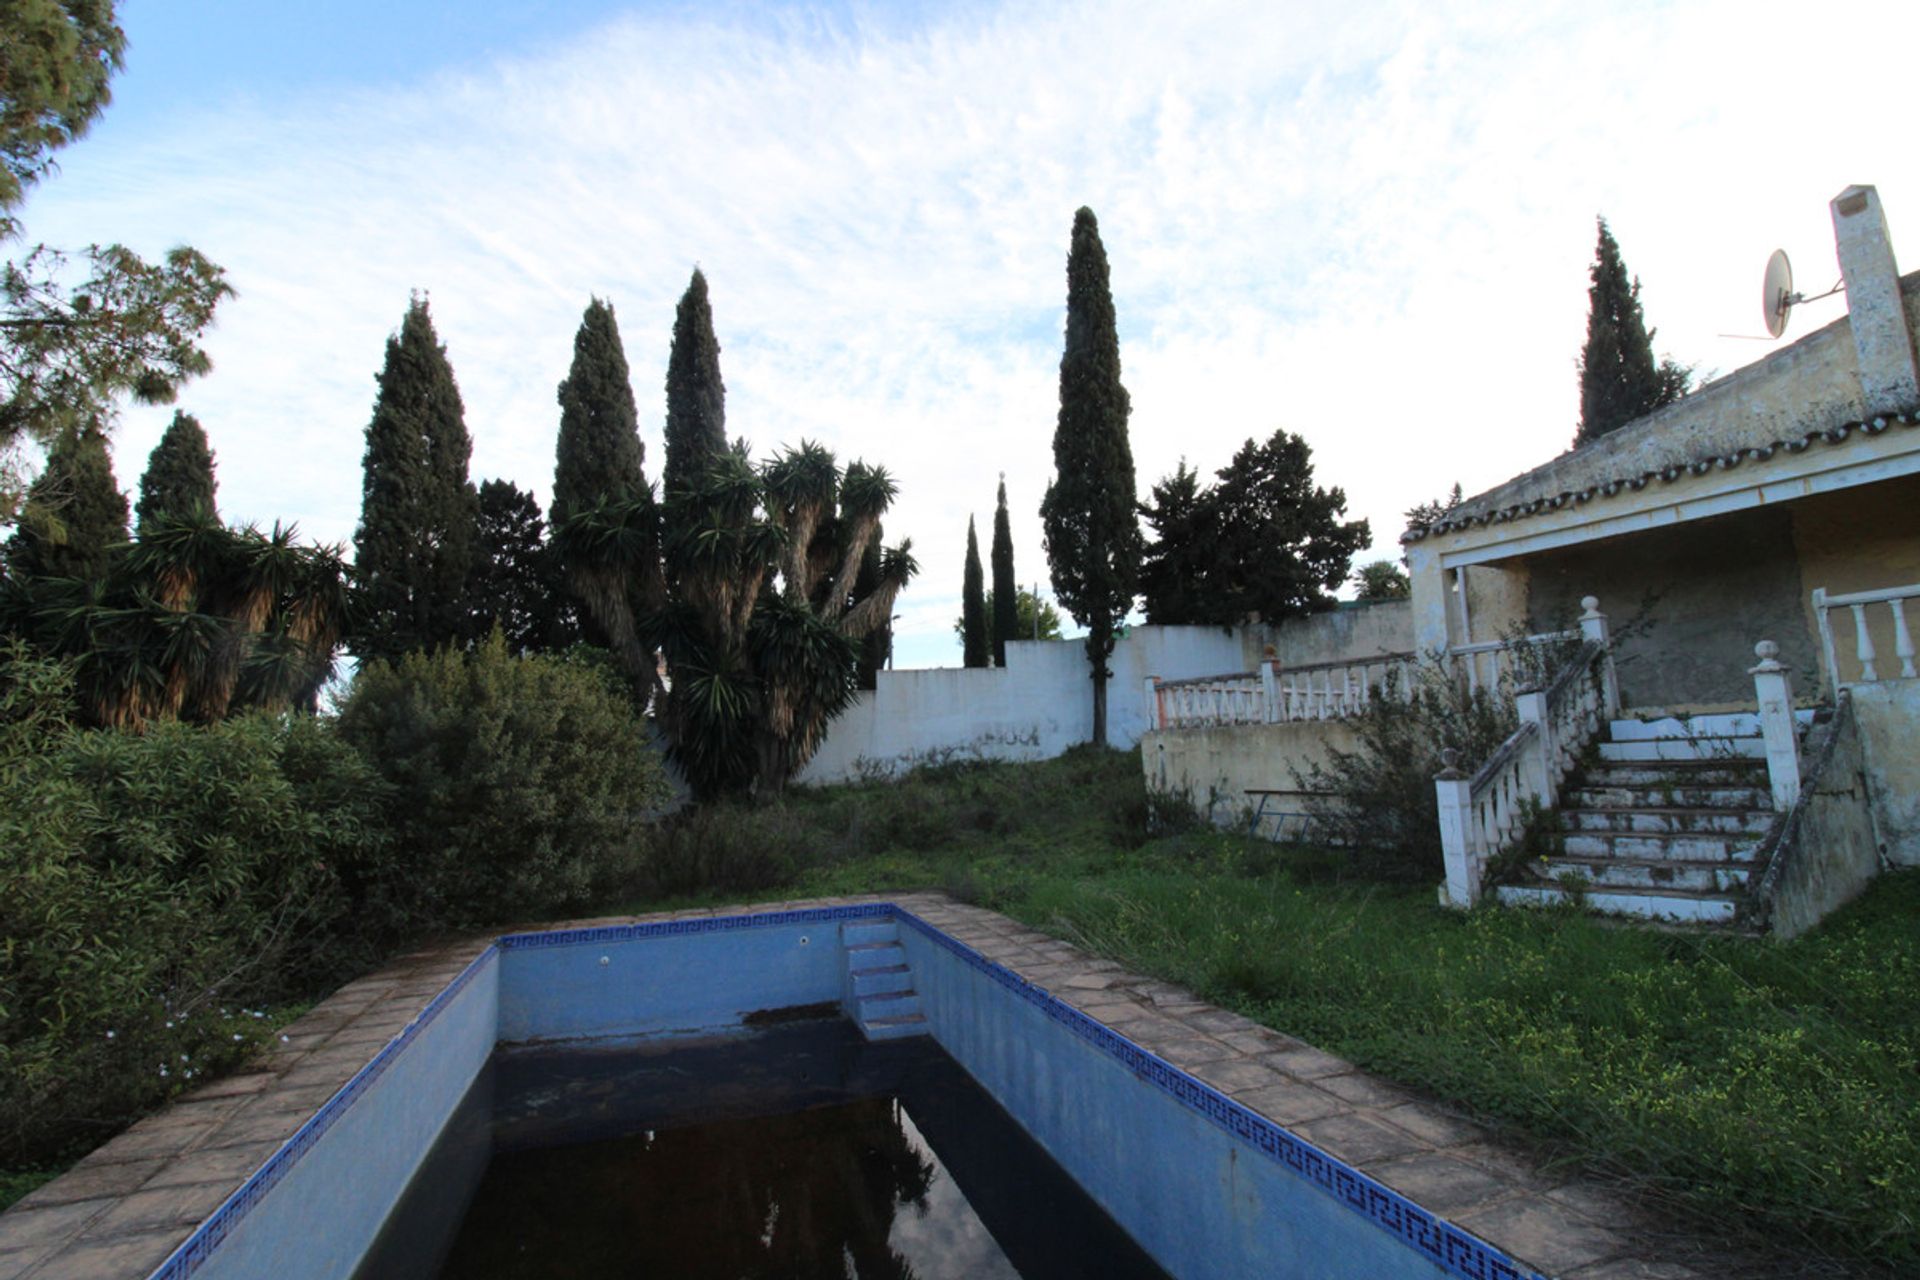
x=1034, y=708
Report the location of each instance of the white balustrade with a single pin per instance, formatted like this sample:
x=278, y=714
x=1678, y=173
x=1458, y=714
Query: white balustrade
x=1866, y=654
x=1275, y=694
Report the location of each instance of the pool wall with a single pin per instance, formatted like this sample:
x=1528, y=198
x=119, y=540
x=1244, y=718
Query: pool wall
x=1207, y=1186
x=316, y=1205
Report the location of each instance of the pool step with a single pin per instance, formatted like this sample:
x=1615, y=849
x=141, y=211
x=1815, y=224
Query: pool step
x=879, y=994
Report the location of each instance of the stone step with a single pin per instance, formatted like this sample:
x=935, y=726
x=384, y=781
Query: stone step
x=1733, y=724
x=1656, y=820
x=890, y=1004
x=1725, y=798
x=1633, y=874
x=1678, y=773
x=1714, y=749
x=1646, y=904
x=1697, y=847
x=881, y=979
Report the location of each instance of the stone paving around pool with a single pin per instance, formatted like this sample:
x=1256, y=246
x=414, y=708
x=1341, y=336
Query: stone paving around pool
x=123, y=1209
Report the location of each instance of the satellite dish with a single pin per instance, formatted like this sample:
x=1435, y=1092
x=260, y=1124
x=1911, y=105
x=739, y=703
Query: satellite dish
x=1776, y=293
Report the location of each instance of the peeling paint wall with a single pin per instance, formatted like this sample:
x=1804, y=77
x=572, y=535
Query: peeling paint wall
x=1863, y=540
x=1351, y=631
x=1889, y=716
x=1214, y=768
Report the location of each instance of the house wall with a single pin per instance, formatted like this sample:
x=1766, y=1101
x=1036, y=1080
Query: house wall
x=1686, y=605
x=1862, y=540
x=1828, y=854
x=1213, y=768
x=1034, y=708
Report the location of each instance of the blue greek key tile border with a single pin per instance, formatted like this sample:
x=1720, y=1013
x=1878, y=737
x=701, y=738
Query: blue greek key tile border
x=693, y=924
x=199, y=1246
x=1459, y=1252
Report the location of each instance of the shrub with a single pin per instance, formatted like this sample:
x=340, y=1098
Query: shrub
x=150, y=886
x=520, y=783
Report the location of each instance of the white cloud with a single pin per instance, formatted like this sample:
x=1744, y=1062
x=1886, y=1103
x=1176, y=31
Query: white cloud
x=1370, y=228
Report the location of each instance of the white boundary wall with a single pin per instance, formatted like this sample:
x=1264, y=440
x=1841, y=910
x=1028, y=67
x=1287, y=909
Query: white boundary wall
x=1033, y=708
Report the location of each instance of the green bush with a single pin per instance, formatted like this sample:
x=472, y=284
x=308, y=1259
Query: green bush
x=520, y=784
x=151, y=887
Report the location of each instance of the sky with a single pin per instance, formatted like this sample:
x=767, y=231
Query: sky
x=1366, y=223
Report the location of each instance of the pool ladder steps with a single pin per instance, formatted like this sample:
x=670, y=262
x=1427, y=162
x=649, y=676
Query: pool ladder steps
x=879, y=992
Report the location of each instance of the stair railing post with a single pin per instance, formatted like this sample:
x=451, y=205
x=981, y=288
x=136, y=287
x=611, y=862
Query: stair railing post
x=1593, y=628
x=1771, y=687
x=1539, y=752
x=1455, y=792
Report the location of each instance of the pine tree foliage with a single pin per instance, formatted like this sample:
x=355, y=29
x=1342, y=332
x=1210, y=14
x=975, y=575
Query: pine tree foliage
x=1620, y=380
x=75, y=514
x=414, y=547
x=515, y=584
x=179, y=476
x=59, y=57
x=1092, y=536
x=1034, y=618
x=1263, y=542
x=975, y=645
x=1002, y=599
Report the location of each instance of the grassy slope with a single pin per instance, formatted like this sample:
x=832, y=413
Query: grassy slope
x=1776, y=1086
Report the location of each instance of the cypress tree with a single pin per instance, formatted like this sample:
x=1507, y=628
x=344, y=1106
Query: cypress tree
x=179, y=476
x=1619, y=378
x=1005, y=593
x=974, y=643
x=418, y=510
x=696, y=397
x=599, y=453
x=75, y=513
x=1093, y=539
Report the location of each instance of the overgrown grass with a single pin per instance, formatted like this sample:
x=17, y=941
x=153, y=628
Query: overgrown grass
x=1754, y=1087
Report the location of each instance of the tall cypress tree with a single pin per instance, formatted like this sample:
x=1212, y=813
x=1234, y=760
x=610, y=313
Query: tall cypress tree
x=179, y=475
x=74, y=514
x=1093, y=538
x=1619, y=378
x=599, y=453
x=696, y=397
x=1005, y=593
x=418, y=510
x=974, y=641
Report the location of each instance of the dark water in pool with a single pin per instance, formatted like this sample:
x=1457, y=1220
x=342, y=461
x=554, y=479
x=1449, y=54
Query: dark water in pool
x=787, y=1153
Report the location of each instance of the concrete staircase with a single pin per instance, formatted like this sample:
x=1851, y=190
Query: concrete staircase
x=1665, y=824
x=878, y=994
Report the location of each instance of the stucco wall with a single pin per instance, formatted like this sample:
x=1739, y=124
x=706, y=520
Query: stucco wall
x=1351, y=631
x=1889, y=715
x=1034, y=708
x=1214, y=768
x=1687, y=604
x=1828, y=853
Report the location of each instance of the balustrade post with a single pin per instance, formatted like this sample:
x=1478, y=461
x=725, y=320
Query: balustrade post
x=1863, y=644
x=1156, y=711
x=1270, y=708
x=1540, y=751
x=1776, y=724
x=1454, y=791
x=1593, y=628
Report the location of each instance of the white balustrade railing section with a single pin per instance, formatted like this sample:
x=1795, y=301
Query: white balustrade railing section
x=1866, y=656
x=1482, y=815
x=1275, y=694
x=1483, y=665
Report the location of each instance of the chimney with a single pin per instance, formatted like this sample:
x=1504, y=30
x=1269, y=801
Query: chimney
x=1875, y=310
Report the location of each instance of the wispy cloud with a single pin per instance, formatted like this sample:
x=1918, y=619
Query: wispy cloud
x=1369, y=227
